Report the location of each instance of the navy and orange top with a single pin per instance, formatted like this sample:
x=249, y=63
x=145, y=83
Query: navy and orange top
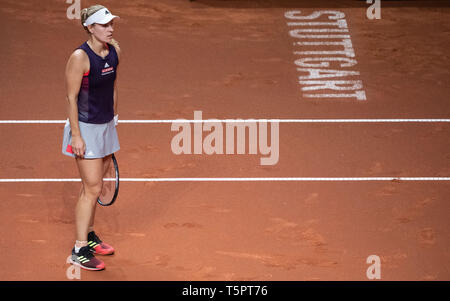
x=96, y=95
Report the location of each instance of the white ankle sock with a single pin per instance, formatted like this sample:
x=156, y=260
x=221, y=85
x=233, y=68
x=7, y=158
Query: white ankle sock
x=81, y=243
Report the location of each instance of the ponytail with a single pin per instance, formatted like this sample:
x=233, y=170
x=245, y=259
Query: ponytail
x=115, y=44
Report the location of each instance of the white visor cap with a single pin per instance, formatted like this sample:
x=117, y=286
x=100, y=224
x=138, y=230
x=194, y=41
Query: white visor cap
x=101, y=16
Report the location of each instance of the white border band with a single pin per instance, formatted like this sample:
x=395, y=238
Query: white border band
x=260, y=179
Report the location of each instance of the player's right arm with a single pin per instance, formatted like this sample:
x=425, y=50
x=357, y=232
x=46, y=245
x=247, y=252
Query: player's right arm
x=75, y=68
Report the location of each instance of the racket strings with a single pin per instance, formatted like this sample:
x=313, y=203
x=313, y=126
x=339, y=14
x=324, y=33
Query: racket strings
x=109, y=184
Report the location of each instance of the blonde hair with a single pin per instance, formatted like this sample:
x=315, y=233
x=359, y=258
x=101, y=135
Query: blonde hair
x=87, y=12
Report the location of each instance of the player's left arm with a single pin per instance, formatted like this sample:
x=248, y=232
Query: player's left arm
x=116, y=93
x=116, y=98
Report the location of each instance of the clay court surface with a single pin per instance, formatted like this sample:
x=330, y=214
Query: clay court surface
x=230, y=60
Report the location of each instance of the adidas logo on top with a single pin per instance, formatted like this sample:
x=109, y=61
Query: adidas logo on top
x=107, y=69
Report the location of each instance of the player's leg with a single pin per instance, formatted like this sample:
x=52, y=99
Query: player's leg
x=91, y=172
x=106, y=162
x=94, y=242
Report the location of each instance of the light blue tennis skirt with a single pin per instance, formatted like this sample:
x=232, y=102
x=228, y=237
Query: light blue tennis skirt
x=101, y=139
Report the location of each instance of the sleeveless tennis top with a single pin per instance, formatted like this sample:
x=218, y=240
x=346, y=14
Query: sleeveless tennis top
x=96, y=95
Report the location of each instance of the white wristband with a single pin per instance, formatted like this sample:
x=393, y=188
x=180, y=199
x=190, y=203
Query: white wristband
x=116, y=119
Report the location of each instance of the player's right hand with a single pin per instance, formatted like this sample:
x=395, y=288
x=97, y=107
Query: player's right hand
x=78, y=146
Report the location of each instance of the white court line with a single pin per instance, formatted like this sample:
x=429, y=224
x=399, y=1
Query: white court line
x=241, y=120
x=280, y=179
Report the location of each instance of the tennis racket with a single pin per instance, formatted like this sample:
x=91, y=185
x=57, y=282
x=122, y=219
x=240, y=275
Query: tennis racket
x=110, y=188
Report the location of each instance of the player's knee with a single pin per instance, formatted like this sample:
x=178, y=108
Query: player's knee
x=93, y=190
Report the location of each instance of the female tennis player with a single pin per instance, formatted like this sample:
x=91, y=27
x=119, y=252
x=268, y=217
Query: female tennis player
x=89, y=134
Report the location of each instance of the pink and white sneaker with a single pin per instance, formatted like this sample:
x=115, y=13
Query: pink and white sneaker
x=97, y=246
